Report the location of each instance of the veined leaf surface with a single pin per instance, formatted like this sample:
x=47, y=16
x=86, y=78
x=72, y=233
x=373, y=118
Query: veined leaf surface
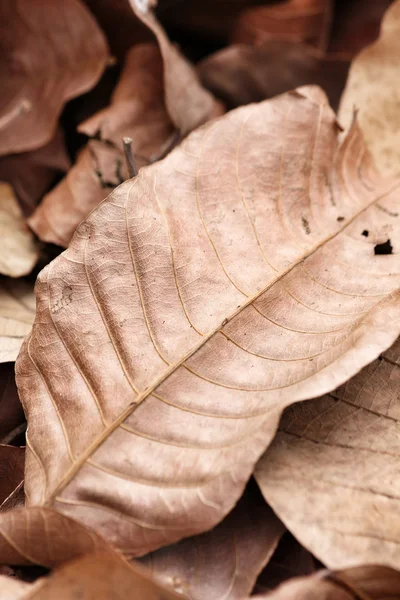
x=193, y=305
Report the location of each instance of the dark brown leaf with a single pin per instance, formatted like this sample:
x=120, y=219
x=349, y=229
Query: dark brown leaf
x=242, y=74
x=224, y=562
x=12, y=461
x=31, y=173
x=50, y=52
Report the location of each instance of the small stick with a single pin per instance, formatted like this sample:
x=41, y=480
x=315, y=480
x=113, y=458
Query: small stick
x=130, y=161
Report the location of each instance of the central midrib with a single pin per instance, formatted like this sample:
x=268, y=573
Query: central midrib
x=132, y=407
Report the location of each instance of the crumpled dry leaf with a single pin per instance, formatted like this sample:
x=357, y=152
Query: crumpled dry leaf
x=369, y=582
x=188, y=103
x=12, y=459
x=11, y=412
x=291, y=21
x=19, y=251
x=100, y=576
x=137, y=110
x=331, y=473
x=242, y=74
x=372, y=88
x=31, y=173
x=17, y=313
x=192, y=306
x=43, y=65
x=224, y=562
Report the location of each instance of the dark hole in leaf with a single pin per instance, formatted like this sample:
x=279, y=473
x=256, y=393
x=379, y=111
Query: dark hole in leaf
x=384, y=248
x=340, y=219
x=365, y=233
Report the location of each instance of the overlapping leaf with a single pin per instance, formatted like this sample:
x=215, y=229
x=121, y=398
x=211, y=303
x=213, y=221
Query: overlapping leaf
x=137, y=110
x=192, y=306
x=332, y=472
x=50, y=52
x=19, y=251
x=372, y=88
x=243, y=543
x=17, y=313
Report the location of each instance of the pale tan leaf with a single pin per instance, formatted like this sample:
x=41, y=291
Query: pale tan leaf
x=370, y=582
x=136, y=110
x=18, y=249
x=17, y=313
x=100, y=576
x=13, y=589
x=372, y=89
x=223, y=563
x=222, y=284
x=331, y=473
x=50, y=52
x=188, y=103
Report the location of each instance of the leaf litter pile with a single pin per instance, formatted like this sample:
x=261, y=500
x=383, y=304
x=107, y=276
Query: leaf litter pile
x=200, y=300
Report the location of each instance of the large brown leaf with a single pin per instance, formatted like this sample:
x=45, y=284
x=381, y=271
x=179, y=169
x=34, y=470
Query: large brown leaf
x=372, y=88
x=224, y=562
x=200, y=299
x=332, y=471
x=241, y=74
x=99, y=576
x=136, y=110
x=17, y=313
x=19, y=251
x=50, y=52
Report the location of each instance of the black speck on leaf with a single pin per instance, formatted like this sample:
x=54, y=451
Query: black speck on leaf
x=365, y=233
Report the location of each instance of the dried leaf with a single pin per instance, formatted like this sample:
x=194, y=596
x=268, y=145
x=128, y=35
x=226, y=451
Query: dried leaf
x=12, y=461
x=32, y=173
x=137, y=110
x=193, y=305
x=13, y=589
x=188, y=103
x=17, y=313
x=224, y=562
x=372, y=88
x=360, y=583
x=43, y=536
x=100, y=576
x=242, y=74
x=336, y=459
x=291, y=21
x=50, y=52
x=11, y=412
x=19, y=251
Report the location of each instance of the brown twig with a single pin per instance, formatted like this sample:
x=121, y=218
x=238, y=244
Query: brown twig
x=130, y=161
